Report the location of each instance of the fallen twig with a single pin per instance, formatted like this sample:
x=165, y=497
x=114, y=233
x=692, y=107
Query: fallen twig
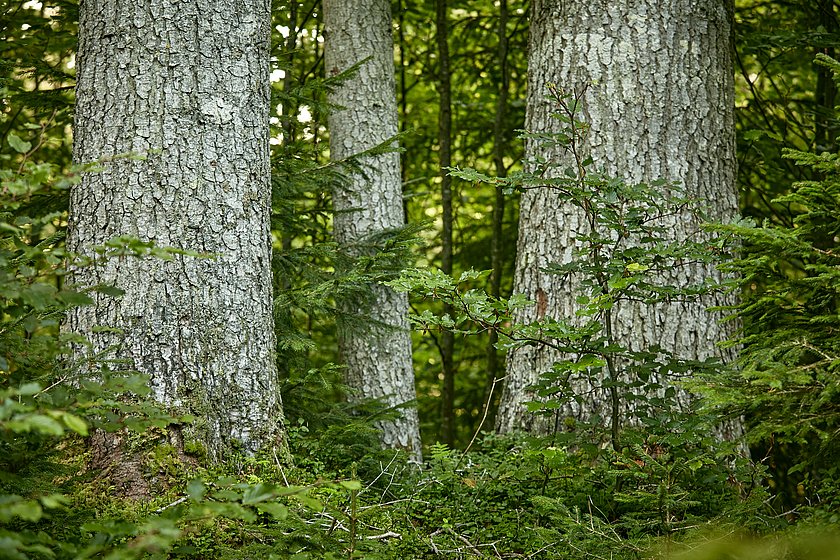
x=173, y=504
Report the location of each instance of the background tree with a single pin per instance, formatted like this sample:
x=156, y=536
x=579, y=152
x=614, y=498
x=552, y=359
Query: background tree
x=476, y=76
x=447, y=337
x=185, y=89
x=500, y=145
x=659, y=106
x=373, y=334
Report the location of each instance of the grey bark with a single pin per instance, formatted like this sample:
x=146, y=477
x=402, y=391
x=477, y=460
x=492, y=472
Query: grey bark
x=185, y=85
x=660, y=105
x=375, y=341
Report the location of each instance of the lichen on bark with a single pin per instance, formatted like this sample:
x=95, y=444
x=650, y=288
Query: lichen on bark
x=183, y=87
x=374, y=338
x=659, y=101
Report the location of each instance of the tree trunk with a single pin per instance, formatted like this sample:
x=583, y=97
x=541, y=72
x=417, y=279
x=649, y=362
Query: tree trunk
x=185, y=85
x=500, y=147
x=377, y=353
x=826, y=92
x=402, y=62
x=447, y=339
x=660, y=105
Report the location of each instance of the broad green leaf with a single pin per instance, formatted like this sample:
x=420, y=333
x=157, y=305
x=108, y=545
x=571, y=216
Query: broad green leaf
x=75, y=423
x=351, y=484
x=257, y=493
x=29, y=389
x=36, y=423
x=54, y=501
x=15, y=506
x=19, y=145
x=196, y=490
x=274, y=509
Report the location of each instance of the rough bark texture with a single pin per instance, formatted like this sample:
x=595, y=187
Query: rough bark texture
x=185, y=85
x=660, y=104
x=375, y=343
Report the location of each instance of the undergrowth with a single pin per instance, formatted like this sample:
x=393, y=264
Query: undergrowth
x=661, y=493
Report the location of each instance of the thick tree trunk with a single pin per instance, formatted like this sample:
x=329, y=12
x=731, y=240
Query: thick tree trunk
x=660, y=105
x=375, y=341
x=185, y=85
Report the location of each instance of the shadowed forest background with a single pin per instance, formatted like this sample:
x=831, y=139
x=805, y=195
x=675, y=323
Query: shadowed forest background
x=336, y=455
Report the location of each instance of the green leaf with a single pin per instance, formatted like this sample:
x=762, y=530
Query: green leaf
x=226, y=495
x=75, y=423
x=17, y=144
x=31, y=324
x=636, y=267
x=756, y=134
x=54, y=501
x=29, y=389
x=472, y=274
x=109, y=290
x=36, y=423
x=351, y=484
x=274, y=509
x=15, y=506
x=196, y=490
x=309, y=501
x=257, y=493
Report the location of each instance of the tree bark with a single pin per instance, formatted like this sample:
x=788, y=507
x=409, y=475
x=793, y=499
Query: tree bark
x=500, y=146
x=447, y=339
x=377, y=354
x=826, y=92
x=186, y=87
x=402, y=62
x=660, y=105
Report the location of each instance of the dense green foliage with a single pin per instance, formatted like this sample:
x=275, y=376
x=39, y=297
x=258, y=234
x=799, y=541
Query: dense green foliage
x=662, y=491
x=788, y=383
x=623, y=256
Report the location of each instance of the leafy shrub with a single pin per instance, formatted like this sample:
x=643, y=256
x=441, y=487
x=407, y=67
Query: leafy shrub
x=788, y=377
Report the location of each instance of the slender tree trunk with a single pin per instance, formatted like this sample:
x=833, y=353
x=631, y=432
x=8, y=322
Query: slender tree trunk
x=289, y=118
x=447, y=341
x=402, y=62
x=500, y=145
x=660, y=105
x=186, y=86
x=826, y=92
x=377, y=354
